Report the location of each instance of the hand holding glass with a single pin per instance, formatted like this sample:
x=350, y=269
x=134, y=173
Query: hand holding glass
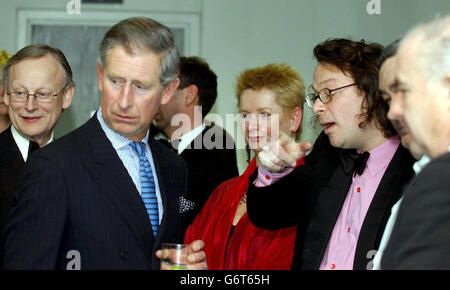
x=174, y=256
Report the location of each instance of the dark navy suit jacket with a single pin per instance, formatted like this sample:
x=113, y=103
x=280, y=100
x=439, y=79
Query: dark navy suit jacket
x=420, y=237
x=76, y=195
x=11, y=164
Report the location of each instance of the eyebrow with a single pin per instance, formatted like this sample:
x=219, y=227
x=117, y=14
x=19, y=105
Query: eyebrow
x=113, y=75
x=22, y=86
x=259, y=109
x=394, y=86
x=323, y=82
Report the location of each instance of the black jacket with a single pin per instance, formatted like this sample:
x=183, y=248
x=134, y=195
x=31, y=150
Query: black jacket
x=321, y=186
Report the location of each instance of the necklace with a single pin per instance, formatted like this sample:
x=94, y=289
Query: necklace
x=243, y=199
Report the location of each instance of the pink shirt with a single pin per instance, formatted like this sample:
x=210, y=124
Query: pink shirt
x=341, y=248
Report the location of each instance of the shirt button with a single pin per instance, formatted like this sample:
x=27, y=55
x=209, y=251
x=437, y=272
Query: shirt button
x=124, y=255
x=267, y=177
x=348, y=230
x=332, y=266
x=358, y=189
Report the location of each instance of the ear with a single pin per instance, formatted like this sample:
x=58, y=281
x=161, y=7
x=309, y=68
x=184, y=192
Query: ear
x=67, y=97
x=169, y=90
x=191, y=97
x=296, y=119
x=447, y=80
x=5, y=97
x=99, y=76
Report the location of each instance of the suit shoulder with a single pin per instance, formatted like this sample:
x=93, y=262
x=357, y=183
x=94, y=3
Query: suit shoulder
x=436, y=172
x=67, y=142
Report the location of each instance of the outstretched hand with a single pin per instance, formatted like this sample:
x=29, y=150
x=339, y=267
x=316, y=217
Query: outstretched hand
x=282, y=153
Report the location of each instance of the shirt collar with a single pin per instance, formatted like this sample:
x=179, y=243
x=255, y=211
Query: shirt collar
x=419, y=165
x=23, y=143
x=187, y=138
x=118, y=141
x=381, y=156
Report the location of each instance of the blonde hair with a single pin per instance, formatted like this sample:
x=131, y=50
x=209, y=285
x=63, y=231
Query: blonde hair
x=282, y=79
x=4, y=56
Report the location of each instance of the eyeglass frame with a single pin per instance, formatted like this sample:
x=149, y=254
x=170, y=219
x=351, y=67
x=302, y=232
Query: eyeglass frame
x=316, y=96
x=36, y=97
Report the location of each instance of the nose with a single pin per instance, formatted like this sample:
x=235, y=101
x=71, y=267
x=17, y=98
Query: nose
x=31, y=104
x=318, y=107
x=126, y=97
x=252, y=122
x=395, y=109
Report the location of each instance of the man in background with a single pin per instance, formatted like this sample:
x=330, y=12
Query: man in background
x=420, y=237
x=39, y=87
x=208, y=150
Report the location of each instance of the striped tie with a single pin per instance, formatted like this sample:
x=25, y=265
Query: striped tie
x=147, y=186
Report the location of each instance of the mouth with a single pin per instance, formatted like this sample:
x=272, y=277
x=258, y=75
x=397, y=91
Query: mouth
x=31, y=119
x=254, y=139
x=124, y=118
x=400, y=128
x=327, y=126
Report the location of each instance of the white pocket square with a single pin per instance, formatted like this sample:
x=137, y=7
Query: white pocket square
x=186, y=205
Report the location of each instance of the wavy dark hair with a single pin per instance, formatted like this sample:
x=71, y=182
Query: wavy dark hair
x=361, y=61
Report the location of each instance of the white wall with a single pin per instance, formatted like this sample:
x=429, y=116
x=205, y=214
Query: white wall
x=239, y=34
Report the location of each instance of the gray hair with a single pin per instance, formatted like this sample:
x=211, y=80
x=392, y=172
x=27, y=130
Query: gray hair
x=38, y=51
x=389, y=51
x=142, y=33
x=434, y=50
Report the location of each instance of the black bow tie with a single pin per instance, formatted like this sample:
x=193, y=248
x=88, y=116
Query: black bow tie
x=354, y=162
x=33, y=146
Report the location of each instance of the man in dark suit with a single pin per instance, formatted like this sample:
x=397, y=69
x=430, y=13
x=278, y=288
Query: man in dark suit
x=39, y=88
x=105, y=196
x=208, y=150
x=341, y=198
x=420, y=236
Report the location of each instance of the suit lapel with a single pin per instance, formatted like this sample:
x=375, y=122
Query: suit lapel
x=389, y=191
x=163, y=170
x=329, y=206
x=114, y=180
x=11, y=163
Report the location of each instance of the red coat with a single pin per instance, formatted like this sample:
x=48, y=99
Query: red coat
x=250, y=248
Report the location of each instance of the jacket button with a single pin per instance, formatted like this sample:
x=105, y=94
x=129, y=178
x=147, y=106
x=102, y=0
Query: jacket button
x=124, y=255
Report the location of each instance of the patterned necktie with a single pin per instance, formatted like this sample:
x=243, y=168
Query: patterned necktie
x=148, y=191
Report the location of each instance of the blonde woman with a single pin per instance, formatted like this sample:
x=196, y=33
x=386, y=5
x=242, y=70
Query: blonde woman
x=270, y=98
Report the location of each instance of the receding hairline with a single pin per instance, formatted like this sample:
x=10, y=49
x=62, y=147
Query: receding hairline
x=59, y=66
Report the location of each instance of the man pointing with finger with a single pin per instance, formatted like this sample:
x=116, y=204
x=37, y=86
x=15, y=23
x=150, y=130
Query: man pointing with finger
x=341, y=198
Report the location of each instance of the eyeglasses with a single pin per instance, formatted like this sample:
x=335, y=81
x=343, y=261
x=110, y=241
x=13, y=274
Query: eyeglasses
x=43, y=96
x=325, y=95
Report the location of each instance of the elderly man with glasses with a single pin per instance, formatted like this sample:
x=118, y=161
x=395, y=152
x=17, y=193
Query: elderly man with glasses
x=341, y=198
x=39, y=87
